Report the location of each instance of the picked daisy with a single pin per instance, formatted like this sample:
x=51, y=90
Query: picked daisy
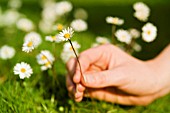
x=66, y=34
x=149, y=32
x=23, y=69
x=45, y=59
x=7, y=52
x=123, y=36
x=114, y=20
x=79, y=25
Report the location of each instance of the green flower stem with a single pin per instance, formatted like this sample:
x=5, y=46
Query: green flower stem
x=128, y=48
x=77, y=59
x=113, y=33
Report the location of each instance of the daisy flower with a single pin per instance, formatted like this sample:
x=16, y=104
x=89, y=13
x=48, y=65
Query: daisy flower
x=63, y=7
x=58, y=27
x=23, y=69
x=137, y=47
x=114, y=20
x=53, y=38
x=28, y=46
x=25, y=24
x=80, y=13
x=7, y=52
x=46, y=59
x=68, y=47
x=10, y=17
x=66, y=55
x=123, y=36
x=149, y=32
x=48, y=13
x=142, y=11
x=134, y=33
x=79, y=25
x=66, y=34
x=46, y=26
x=102, y=40
x=34, y=37
x=16, y=4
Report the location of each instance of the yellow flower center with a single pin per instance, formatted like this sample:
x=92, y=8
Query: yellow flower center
x=149, y=32
x=43, y=57
x=71, y=48
x=59, y=27
x=23, y=70
x=124, y=37
x=30, y=44
x=54, y=37
x=47, y=64
x=67, y=35
x=115, y=20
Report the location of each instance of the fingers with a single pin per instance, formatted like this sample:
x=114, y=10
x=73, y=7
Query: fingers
x=114, y=77
x=71, y=65
x=113, y=97
x=75, y=91
x=99, y=56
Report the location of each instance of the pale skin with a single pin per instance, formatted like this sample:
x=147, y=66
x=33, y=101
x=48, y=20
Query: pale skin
x=114, y=76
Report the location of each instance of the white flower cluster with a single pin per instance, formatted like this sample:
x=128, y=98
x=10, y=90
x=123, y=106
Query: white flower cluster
x=68, y=52
x=52, y=11
x=149, y=31
x=142, y=11
x=45, y=59
x=55, y=11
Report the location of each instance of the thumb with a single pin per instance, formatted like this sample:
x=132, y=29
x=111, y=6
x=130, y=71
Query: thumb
x=114, y=77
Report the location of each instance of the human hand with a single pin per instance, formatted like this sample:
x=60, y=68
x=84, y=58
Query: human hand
x=114, y=76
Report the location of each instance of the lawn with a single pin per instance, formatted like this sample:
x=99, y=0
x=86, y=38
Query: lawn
x=45, y=91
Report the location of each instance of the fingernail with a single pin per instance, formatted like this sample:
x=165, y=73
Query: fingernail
x=89, y=79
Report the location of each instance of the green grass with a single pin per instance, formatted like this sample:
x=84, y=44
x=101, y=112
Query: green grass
x=39, y=94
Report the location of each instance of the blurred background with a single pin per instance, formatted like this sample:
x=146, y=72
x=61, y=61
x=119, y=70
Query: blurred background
x=98, y=10
x=38, y=93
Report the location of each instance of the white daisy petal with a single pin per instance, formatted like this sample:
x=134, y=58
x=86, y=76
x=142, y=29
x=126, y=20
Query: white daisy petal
x=23, y=69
